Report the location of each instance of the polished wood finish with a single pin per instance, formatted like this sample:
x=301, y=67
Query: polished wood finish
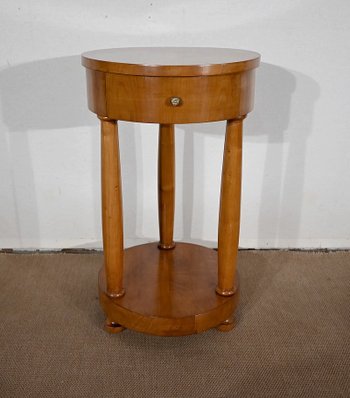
x=166, y=185
x=229, y=215
x=112, y=327
x=96, y=83
x=227, y=325
x=189, y=288
x=168, y=292
x=203, y=99
x=171, y=61
x=112, y=212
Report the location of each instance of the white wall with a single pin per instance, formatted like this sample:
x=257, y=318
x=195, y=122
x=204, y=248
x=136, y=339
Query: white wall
x=296, y=190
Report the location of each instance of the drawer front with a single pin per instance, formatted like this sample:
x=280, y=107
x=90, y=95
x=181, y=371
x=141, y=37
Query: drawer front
x=179, y=99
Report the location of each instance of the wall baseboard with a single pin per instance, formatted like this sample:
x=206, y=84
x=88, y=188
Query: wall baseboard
x=100, y=251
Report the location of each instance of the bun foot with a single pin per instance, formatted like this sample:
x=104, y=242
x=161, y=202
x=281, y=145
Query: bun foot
x=113, y=327
x=226, y=325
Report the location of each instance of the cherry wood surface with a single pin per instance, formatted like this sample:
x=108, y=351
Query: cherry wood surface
x=168, y=292
x=171, y=61
x=230, y=205
x=202, y=98
x=166, y=185
x=112, y=214
x=164, y=288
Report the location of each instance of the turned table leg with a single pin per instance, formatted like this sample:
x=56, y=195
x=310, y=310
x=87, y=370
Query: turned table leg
x=229, y=215
x=112, y=213
x=166, y=185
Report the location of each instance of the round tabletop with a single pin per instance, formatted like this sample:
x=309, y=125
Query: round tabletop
x=171, y=61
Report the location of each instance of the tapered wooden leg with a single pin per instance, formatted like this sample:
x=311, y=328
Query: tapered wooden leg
x=166, y=185
x=229, y=215
x=112, y=214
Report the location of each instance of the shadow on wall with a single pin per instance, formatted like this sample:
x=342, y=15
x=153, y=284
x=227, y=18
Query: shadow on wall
x=51, y=94
x=45, y=95
x=281, y=121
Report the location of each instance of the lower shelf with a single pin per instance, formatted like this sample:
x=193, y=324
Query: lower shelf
x=168, y=292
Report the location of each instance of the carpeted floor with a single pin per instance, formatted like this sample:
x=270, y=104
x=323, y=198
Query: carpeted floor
x=292, y=337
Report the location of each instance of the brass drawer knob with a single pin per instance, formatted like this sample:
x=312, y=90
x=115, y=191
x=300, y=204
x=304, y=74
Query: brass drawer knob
x=175, y=101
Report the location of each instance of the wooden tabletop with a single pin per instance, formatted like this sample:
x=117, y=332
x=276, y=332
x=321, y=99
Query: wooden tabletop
x=171, y=61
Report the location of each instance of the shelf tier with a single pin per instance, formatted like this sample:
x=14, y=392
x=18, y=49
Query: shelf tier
x=168, y=292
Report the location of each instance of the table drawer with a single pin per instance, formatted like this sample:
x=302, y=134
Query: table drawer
x=178, y=99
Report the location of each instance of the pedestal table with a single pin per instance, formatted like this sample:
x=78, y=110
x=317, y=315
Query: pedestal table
x=168, y=288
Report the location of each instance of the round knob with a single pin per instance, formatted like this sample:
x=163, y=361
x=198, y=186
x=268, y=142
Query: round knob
x=175, y=101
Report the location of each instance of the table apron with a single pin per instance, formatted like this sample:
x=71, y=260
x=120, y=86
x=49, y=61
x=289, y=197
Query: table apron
x=170, y=100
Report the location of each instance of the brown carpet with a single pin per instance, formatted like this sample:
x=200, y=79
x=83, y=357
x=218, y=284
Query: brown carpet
x=292, y=338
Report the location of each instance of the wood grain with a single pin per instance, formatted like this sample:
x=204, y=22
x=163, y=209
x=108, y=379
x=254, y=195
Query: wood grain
x=168, y=292
x=171, y=61
x=203, y=99
x=112, y=213
x=230, y=205
x=190, y=288
x=96, y=92
x=166, y=185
